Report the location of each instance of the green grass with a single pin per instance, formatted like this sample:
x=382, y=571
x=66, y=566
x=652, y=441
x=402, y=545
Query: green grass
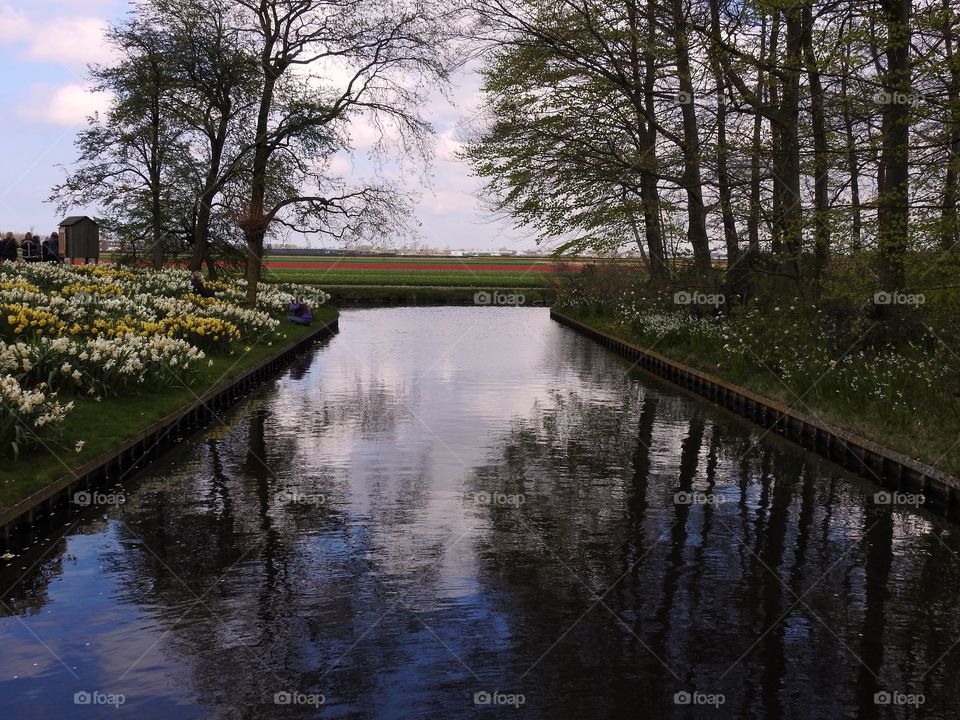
x=928, y=432
x=455, y=272
x=103, y=425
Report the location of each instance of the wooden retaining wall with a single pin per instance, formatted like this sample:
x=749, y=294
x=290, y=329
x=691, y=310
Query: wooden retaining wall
x=148, y=444
x=890, y=468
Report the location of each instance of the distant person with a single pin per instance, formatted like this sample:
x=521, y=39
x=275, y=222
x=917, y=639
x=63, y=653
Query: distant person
x=196, y=280
x=50, y=248
x=300, y=313
x=30, y=248
x=8, y=248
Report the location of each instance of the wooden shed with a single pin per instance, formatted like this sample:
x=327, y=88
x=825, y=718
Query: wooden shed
x=79, y=238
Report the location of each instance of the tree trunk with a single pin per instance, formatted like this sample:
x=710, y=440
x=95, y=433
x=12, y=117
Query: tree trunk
x=773, y=96
x=787, y=161
x=696, y=210
x=652, y=228
x=753, y=219
x=635, y=230
x=821, y=158
x=731, y=240
x=254, y=240
x=201, y=233
x=647, y=132
x=949, y=232
x=256, y=223
x=853, y=166
x=212, y=271
x=156, y=175
x=893, y=213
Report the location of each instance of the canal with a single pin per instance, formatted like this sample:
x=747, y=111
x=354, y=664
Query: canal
x=475, y=512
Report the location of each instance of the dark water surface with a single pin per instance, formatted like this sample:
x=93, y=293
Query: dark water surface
x=442, y=507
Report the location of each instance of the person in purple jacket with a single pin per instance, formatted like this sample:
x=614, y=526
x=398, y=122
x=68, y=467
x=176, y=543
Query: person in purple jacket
x=300, y=313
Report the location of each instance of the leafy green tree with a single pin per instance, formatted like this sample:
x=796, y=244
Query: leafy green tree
x=127, y=158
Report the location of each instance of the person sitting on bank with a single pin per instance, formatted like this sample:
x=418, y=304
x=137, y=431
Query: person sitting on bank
x=8, y=248
x=196, y=280
x=50, y=248
x=300, y=313
x=30, y=248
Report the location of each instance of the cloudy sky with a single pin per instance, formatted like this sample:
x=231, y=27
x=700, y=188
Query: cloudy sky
x=45, y=46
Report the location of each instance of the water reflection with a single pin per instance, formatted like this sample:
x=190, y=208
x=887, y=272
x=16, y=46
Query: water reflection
x=447, y=502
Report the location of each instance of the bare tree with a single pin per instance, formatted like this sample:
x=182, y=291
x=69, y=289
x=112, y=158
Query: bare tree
x=322, y=64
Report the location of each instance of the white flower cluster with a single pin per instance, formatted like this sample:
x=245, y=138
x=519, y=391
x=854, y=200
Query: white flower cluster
x=101, y=366
x=252, y=324
x=105, y=330
x=25, y=411
x=277, y=298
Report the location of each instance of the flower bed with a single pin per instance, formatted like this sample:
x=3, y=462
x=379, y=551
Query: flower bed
x=104, y=331
x=826, y=364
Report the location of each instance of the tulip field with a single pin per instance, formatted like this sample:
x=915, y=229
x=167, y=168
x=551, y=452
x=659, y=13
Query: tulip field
x=426, y=271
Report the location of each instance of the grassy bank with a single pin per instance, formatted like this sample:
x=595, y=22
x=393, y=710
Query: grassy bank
x=848, y=356
x=104, y=424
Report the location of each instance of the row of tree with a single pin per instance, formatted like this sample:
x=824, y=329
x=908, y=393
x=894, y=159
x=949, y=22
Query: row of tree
x=226, y=116
x=792, y=129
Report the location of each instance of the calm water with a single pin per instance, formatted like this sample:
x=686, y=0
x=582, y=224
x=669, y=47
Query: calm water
x=459, y=512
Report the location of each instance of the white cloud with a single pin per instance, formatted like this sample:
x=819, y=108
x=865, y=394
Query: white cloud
x=73, y=41
x=84, y=5
x=67, y=105
x=14, y=24
x=364, y=134
x=450, y=202
x=448, y=146
x=341, y=165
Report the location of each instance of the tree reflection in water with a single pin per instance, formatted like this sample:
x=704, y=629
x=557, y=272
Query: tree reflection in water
x=773, y=597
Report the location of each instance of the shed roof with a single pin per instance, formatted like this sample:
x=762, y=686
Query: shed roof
x=74, y=219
